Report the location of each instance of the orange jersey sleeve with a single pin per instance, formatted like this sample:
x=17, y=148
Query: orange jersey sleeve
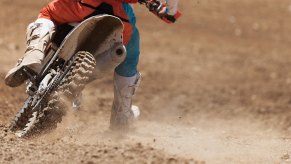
x=68, y=11
x=64, y=11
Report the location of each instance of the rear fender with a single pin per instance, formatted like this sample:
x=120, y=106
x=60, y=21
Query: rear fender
x=97, y=34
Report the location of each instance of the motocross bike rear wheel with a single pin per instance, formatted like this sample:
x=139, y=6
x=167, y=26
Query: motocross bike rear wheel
x=39, y=114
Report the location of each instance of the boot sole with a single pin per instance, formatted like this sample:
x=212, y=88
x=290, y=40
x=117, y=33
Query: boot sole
x=17, y=78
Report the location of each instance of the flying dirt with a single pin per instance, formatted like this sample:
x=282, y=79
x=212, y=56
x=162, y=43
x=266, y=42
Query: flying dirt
x=215, y=89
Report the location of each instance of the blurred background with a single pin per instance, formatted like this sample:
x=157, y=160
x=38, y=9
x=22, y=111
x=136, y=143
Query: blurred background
x=222, y=71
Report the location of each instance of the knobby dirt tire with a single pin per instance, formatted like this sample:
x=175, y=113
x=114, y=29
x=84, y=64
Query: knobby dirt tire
x=22, y=116
x=79, y=74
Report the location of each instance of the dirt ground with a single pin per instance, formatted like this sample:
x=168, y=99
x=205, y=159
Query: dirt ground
x=215, y=89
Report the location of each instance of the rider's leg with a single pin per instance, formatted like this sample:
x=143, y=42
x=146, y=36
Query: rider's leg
x=126, y=80
x=39, y=34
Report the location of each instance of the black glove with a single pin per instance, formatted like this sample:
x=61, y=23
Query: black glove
x=163, y=14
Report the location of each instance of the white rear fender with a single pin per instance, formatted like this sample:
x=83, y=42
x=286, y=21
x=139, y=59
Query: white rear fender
x=97, y=34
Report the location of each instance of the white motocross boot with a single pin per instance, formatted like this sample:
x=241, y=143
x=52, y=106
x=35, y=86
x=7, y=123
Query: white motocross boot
x=39, y=34
x=123, y=112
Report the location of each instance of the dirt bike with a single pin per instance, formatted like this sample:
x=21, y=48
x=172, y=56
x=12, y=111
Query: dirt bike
x=75, y=56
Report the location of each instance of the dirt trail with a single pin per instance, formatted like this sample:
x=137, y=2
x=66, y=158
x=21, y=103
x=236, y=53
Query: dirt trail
x=215, y=89
x=236, y=140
